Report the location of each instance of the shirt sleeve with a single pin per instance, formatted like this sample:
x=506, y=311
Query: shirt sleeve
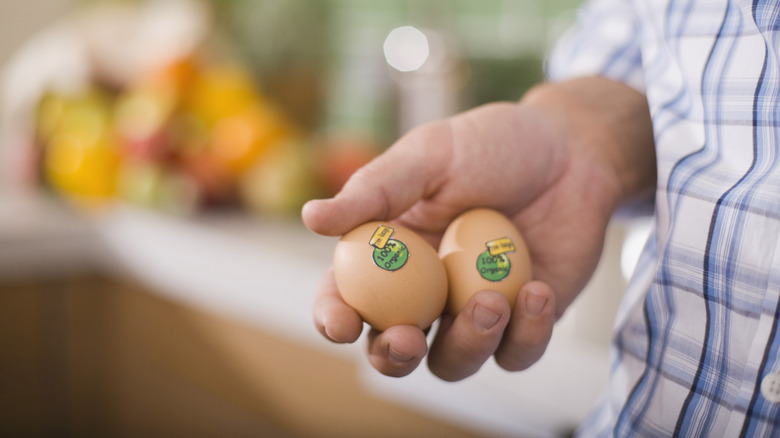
x=604, y=41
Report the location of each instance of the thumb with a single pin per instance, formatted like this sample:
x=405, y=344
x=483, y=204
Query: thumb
x=411, y=170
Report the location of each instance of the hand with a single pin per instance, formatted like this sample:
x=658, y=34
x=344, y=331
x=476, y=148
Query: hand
x=557, y=164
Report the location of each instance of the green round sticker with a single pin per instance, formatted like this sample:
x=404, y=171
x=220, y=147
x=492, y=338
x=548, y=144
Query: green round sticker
x=393, y=256
x=493, y=267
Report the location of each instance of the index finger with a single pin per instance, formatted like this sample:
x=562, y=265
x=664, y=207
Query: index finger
x=411, y=170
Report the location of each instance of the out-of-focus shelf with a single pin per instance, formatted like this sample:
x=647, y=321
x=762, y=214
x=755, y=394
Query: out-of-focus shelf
x=265, y=272
x=40, y=237
x=261, y=271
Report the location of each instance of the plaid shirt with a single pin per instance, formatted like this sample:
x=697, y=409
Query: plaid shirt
x=696, y=350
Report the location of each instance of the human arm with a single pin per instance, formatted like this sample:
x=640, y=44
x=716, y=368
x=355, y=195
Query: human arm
x=557, y=164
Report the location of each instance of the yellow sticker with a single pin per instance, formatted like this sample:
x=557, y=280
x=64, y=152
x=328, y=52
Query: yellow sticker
x=381, y=236
x=500, y=246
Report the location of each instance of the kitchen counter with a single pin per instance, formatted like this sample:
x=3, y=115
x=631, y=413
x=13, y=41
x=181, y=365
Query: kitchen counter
x=264, y=272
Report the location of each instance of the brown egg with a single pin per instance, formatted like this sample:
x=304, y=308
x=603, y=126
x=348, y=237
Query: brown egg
x=390, y=275
x=482, y=249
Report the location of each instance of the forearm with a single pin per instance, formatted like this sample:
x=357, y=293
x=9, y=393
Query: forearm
x=607, y=121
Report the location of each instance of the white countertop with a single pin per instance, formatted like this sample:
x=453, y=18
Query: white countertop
x=264, y=272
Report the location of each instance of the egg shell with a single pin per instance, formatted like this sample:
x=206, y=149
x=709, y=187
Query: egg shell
x=403, y=282
x=465, y=250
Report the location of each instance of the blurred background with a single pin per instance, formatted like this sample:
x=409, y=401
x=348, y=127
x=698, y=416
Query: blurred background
x=184, y=105
x=155, y=279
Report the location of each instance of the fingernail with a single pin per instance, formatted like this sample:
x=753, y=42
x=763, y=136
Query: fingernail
x=534, y=304
x=329, y=334
x=484, y=318
x=396, y=356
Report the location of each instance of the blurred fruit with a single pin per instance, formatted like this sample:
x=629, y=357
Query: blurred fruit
x=173, y=79
x=188, y=134
x=49, y=113
x=151, y=185
x=340, y=156
x=81, y=156
x=240, y=138
x=183, y=136
x=283, y=181
x=142, y=118
x=179, y=193
x=139, y=181
x=216, y=187
x=80, y=168
x=219, y=91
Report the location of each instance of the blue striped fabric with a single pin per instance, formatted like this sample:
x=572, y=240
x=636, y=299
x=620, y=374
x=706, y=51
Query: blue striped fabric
x=697, y=333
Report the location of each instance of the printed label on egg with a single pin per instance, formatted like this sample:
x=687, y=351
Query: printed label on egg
x=389, y=254
x=493, y=264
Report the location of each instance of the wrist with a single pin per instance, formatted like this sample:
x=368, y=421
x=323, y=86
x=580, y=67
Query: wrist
x=608, y=124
